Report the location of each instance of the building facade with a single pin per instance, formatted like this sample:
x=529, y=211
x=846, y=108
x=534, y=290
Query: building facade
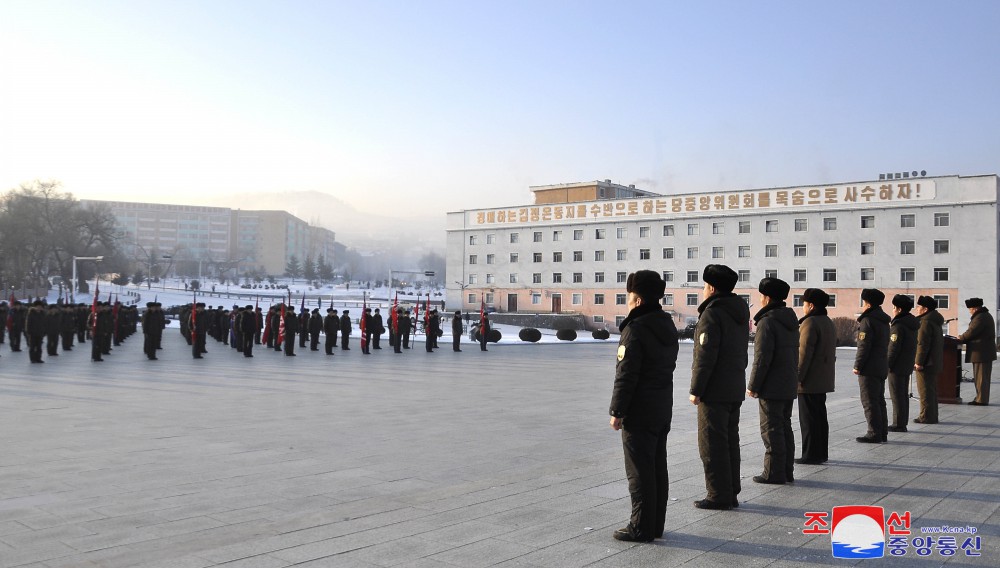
x=238, y=240
x=935, y=236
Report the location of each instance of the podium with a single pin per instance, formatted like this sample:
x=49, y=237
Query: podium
x=949, y=380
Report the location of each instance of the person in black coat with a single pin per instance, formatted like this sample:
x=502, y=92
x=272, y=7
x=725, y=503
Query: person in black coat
x=435, y=323
x=291, y=327
x=405, y=326
x=303, y=327
x=871, y=364
x=484, y=332
x=642, y=403
x=378, y=328
x=315, y=328
x=259, y=319
x=17, y=317
x=331, y=323
x=345, y=330
x=35, y=326
x=456, y=331
x=53, y=325
x=718, y=384
x=199, y=328
x=4, y=309
x=248, y=326
x=774, y=379
x=902, y=352
x=397, y=327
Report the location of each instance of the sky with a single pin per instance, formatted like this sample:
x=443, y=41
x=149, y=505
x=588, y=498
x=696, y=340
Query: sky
x=419, y=108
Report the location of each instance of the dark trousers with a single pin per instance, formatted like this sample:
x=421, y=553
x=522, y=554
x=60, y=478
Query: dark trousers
x=428, y=344
x=343, y=342
x=646, y=470
x=270, y=338
x=456, y=342
x=149, y=345
x=406, y=340
x=302, y=338
x=52, y=344
x=198, y=346
x=289, y=344
x=482, y=342
x=15, y=340
x=67, y=340
x=247, y=344
x=814, y=426
x=237, y=341
x=35, y=347
x=983, y=373
x=314, y=341
x=900, y=396
x=376, y=337
x=719, y=447
x=779, y=440
x=256, y=337
x=927, y=389
x=95, y=350
x=873, y=403
x=397, y=343
x=330, y=343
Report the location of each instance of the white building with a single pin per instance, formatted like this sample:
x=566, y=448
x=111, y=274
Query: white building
x=572, y=250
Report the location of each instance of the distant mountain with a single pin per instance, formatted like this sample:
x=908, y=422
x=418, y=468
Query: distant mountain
x=353, y=228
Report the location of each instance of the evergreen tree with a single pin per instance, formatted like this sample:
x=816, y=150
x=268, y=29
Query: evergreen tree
x=293, y=268
x=309, y=269
x=324, y=269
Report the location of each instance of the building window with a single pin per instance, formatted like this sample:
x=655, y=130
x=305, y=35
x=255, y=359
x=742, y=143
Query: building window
x=536, y=299
x=668, y=299
x=577, y=278
x=692, y=252
x=907, y=221
x=472, y=298
x=692, y=276
x=556, y=235
x=718, y=228
x=668, y=253
x=643, y=232
x=622, y=254
x=668, y=230
x=622, y=232
x=513, y=278
x=490, y=258
x=692, y=229
x=557, y=257
x=598, y=277
x=491, y=239
x=745, y=298
x=868, y=274
x=536, y=278
x=943, y=301
x=473, y=239
x=620, y=300
x=537, y=236
x=489, y=279
x=718, y=252
x=744, y=227
x=907, y=274
x=771, y=226
x=940, y=274
x=829, y=223
x=536, y=257
x=599, y=234
x=643, y=254
x=868, y=248
x=797, y=301
x=801, y=225
x=489, y=298
x=692, y=299
x=744, y=251
x=829, y=249
x=578, y=256
x=473, y=259
x=599, y=255
x=598, y=319
x=668, y=275
x=473, y=279
x=770, y=273
x=770, y=251
x=833, y=301
x=867, y=221
x=744, y=275
x=907, y=247
x=619, y=320
x=514, y=238
x=622, y=277
x=941, y=247
x=513, y=257
x=578, y=234
x=598, y=299
x=829, y=275
x=557, y=277
x=942, y=219
x=798, y=250
x=799, y=275
x=577, y=299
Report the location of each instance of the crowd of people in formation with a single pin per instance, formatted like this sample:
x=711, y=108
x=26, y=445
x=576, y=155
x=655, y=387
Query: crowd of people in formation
x=47, y=329
x=793, y=360
x=280, y=328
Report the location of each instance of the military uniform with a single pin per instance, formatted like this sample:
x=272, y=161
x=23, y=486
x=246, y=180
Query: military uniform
x=345, y=330
x=981, y=349
x=35, y=327
x=248, y=328
x=456, y=332
x=331, y=323
x=18, y=314
x=817, y=376
x=484, y=332
x=53, y=325
x=315, y=327
x=303, y=327
x=871, y=366
x=378, y=328
x=930, y=352
x=199, y=329
x=291, y=327
x=902, y=351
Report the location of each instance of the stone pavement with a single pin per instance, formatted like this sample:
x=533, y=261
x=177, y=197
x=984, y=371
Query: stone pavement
x=423, y=460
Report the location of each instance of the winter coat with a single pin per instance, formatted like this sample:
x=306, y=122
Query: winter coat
x=980, y=338
x=903, y=343
x=774, y=374
x=315, y=324
x=331, y=324
x=718, y=372
x=644, y=375
x=456, y=325
x=873, y=343
x=930, y=341
x=345, y=325
x=817, y=353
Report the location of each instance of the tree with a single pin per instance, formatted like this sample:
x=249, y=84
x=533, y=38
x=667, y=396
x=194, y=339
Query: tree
x=293, y=268
x=324, y=270
x=309, y=269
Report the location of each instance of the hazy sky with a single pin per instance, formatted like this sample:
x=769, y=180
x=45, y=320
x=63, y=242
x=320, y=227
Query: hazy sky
x=431, y=106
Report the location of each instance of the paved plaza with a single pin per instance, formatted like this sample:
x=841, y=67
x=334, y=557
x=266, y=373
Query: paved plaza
x=425, y=460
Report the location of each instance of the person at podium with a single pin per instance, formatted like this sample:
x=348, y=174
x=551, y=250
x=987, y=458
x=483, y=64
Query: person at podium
x=981, y=348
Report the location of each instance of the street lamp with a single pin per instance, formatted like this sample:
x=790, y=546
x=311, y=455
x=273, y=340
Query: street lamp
x=73, y=286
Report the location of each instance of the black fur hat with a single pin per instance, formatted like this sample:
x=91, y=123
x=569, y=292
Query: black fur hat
x=646, y=284
x=721, y=277
x=903, y=302
x=873, y=296
x=774, y=288
x=927, y=302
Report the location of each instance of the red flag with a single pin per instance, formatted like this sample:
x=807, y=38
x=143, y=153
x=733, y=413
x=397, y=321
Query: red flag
x=10, y=312
x=395, y=316
x=194, y=317
x=482, y=312
x=364, y=306
x=281, y=326
x=427, y=313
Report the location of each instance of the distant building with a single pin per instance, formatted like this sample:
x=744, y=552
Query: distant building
x=229, y=239
x=572, y=250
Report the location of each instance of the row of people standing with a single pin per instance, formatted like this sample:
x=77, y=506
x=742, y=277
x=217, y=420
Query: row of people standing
x=49, y=328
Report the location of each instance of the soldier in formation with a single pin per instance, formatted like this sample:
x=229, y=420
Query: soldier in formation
x=981, y=348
